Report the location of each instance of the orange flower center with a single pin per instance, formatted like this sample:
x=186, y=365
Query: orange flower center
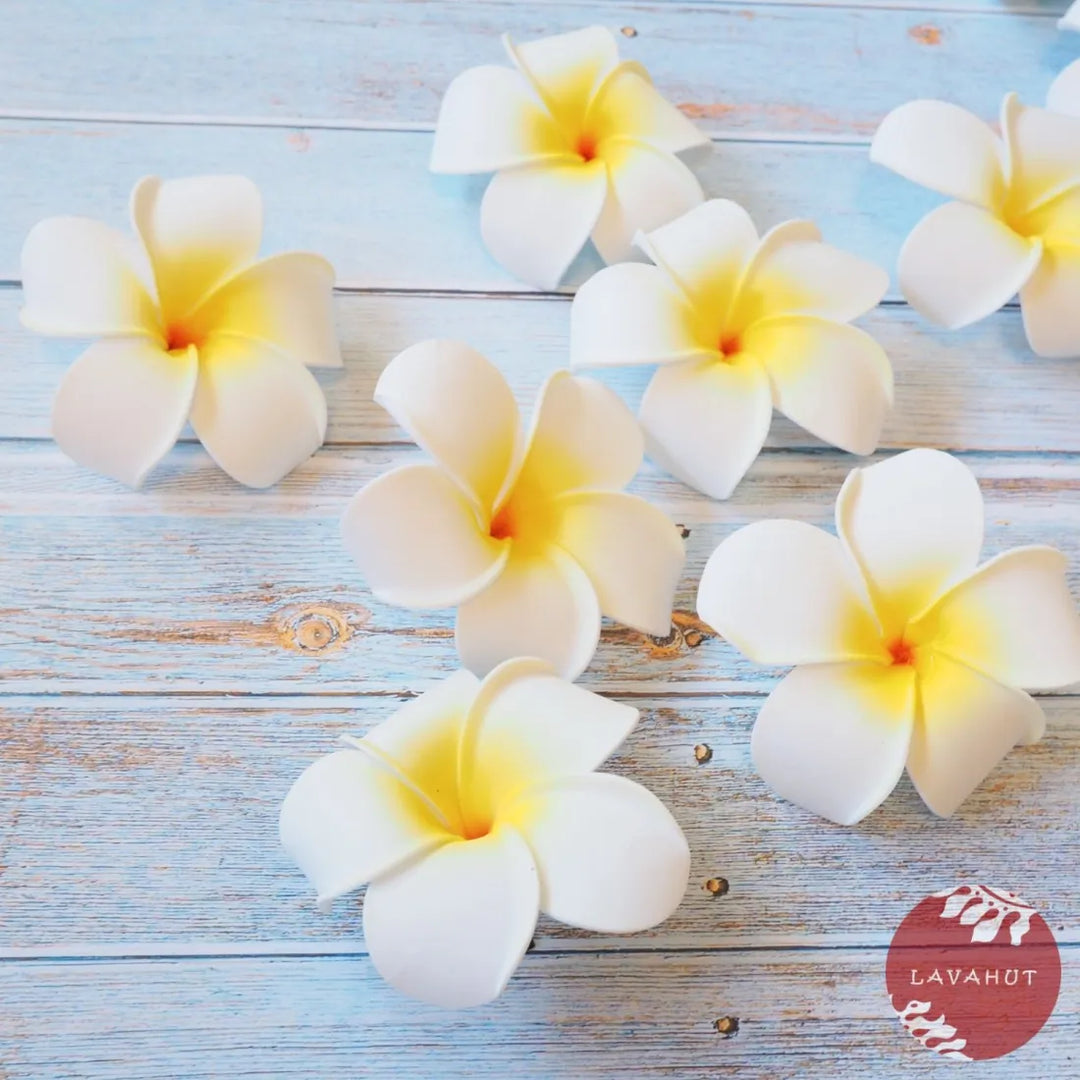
x=587, y=146
x=730, y=345
x=902, y=652
x=180, y=335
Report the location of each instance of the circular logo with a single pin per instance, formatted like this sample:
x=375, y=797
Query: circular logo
x=973, y=972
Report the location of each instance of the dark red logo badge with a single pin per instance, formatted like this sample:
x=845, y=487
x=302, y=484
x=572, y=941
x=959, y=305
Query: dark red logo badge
x=973, y=972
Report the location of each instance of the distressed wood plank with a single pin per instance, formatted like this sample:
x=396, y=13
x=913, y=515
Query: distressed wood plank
x=801, y=1014
x=977, y=388
x=388, y=63
x=136, y=824
x=196, y=583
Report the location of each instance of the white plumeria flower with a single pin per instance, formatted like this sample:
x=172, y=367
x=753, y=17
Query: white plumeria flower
x=582, y=146
x=471, y=810
x=192, y=327
x=1015, y=224
x=739, y=325
x=527, y=534
x=908, y=651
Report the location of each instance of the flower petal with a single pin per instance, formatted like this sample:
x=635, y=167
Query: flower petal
x=542, y=605
x=631, y=551
x=960, y=264
x=967, y=723
x=451, y=928
x=258, y=413
x=943, y=147
x=831, y=379
x=347, y=819
x=536, y=218
x=285, y=302
x=1013, y=619
x=583, y=437
x=706, y=420
x=489, y=119
x=565, y=69
x=198, y=231
x=627, y=105
x=632, y=314
x=122, y=405
x=527, y=726
x=417, y=540
x=648, y=188
x=1064, y=93
x=783, y=592
x=82, y=279
x=1048, y=300
x=833, y=738
x=456, y=405
x=1044, y=152
x=611, y=857
x=914, y=525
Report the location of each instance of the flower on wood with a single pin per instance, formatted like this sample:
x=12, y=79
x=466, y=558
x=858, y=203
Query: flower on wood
x=1013, y=225
x=739, y=325
x=526, y=532
x=191, y=326
x=908, y=651
x=472, y=809
x=582, y=146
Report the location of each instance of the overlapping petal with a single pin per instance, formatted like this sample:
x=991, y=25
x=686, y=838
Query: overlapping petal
x=1044, y=153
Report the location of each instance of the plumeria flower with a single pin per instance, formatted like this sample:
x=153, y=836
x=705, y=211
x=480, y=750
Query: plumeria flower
x=739, y=325
x=191, y=327
x=471, y=810
x=582, y=146
x=1014, y=225
x=527, y=534
x=908, y=652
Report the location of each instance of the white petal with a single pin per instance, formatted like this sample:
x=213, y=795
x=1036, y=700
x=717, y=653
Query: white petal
x=705, y=252
x=536, y=218
x=833, y=738
x=1071, y=19
x=1051, y=313
x=527, y=726
x=286, y=302
x=914, y=524
x=417, y=539
x=831, y=379
x=198, y=231
x=1014, y=620
x=648, y=188
x=81, y=279
x=706, y=420
x=489, y=119
x=583, y=437
x=784, y=592
x=943, y=147
x=611, y=857
x=960, y=264
x=632, y=314
x=632, y=552
x=258, y=413
x=122, y=405
x=1064, y=93
x=347, y=819
x=967, y=724
x=456, y=405
x=451, y=928
x=542, y=606
x=1044, y=152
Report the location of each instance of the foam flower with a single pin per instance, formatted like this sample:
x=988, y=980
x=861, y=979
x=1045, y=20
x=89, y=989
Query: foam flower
x=471, y=810
x=191, y=327
x=1014, y=222
x=908, y=652
x=527, y=534
x=581, y=144
x=738, y=324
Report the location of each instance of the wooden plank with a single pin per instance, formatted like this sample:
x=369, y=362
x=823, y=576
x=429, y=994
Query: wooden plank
x=800, y=1014
x=977, y=388
x=198, y=584
x=150, y=825
x=389, y=62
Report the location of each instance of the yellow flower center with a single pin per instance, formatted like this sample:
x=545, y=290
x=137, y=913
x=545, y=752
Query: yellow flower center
x=526, y=516
x=902, y=651
x=587, y=146
x=730, y=345
x=180, y=334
